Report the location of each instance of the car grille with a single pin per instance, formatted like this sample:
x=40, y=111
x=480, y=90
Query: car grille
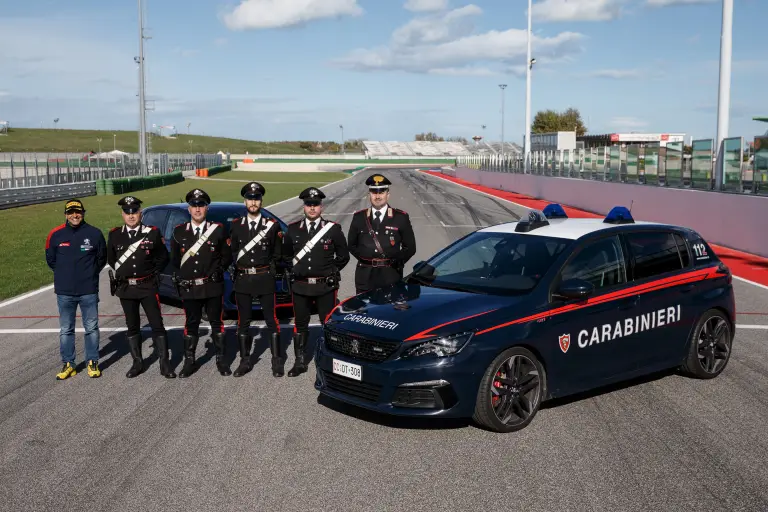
x=359, y=347
x=363, y=390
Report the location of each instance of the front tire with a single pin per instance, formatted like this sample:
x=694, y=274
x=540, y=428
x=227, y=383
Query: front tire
x=511, y=391
x=709, y=347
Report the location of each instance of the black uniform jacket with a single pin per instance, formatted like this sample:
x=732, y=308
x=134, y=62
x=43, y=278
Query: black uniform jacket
x=210, y=260
x=141, y=267
x=327, y=257
x=397, y=240
x=262, y=257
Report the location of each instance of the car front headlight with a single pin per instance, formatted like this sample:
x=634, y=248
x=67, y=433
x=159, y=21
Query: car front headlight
x=440, y=347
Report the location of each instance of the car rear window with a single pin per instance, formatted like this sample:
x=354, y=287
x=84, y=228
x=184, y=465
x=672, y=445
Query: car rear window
x=654, y=253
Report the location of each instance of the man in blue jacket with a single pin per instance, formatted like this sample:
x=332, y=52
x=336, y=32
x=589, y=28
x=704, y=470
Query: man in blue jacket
x=77, y=252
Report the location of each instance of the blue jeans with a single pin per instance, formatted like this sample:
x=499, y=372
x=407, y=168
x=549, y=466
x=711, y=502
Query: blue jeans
x=89, y=307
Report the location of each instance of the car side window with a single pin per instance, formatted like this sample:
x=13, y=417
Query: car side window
x=654, y=253
x=177, y=217
x=684, y=256
x=600, y=263
x=155, y=218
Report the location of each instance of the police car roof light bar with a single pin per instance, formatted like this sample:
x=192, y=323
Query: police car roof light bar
x=536, y=219
x=619, y=215
x=554, y=211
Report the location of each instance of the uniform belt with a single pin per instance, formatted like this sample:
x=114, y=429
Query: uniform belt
x=253, y=270
x=199, y=281
x=133, y=281
x=376, y=262
x=311, y=280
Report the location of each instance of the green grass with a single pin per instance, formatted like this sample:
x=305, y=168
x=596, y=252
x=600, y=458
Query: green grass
x=75, y=141
x=308, y=178
x=26, y=228
x=320, y=160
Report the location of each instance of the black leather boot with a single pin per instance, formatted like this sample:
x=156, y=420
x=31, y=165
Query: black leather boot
x=245, y=366
x=278, y=359
x=220, y=343
x=161, y=346
x=134, y=343
x=190, y=346
x=299, y=348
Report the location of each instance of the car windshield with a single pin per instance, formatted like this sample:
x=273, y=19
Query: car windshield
x=492, y=263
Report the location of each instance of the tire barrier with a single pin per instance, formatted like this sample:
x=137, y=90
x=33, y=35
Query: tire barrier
x=127, y=185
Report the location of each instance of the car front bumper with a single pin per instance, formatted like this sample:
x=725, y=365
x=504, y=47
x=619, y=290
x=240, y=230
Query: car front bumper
x=422, y=386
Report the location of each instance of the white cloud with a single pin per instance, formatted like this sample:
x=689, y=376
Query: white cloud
x=617, y=74
x=628, y=123
x=577, y=10
x=426, y=5
x=437, y=29
x=665, y=3
x=262, y=14
x=462, y=72
x=446, y=44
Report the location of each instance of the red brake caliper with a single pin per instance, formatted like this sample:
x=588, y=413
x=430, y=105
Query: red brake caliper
x=495, y=399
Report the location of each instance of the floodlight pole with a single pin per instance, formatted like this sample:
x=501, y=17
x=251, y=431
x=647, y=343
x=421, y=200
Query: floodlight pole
x=528, y=66
x=724, y=89
x=502, y=87
x=142, y=102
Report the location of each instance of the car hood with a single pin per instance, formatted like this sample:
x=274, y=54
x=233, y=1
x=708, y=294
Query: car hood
x=408, y=312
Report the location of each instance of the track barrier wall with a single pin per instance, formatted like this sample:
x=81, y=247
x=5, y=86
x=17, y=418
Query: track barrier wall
x=734, y=220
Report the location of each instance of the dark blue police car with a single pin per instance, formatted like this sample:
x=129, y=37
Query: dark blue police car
x=515, y=314
x=167, y=216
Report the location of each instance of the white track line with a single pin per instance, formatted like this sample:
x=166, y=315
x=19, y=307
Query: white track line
x=529, y=208
x=751, y=282
x=745, y=326
x=26, y=296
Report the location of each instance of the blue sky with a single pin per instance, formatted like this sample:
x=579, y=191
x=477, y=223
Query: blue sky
x=385, y=69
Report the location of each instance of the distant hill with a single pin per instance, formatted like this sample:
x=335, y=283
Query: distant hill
x=76, y=141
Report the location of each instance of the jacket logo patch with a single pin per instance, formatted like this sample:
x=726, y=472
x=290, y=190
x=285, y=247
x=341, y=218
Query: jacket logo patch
x=64, y=244
x=565, y=342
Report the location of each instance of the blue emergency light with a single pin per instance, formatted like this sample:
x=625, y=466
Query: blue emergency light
x=554, y=211
x=619, y=215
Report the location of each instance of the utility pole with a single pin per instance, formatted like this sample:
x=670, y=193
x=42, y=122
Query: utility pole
x=528, y=65
x=724, y=89
x=502, y=87
x=343, y=150
x=142, y=102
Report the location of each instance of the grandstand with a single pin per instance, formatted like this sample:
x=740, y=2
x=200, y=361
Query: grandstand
x=379, y=149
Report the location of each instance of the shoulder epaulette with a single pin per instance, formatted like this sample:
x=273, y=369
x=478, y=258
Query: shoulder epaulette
x=177, y=225
x=360, y=211
x=295, y=222
x=115, y=228
x=398, y=210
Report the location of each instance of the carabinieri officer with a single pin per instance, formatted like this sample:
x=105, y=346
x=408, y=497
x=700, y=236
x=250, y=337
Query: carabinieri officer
x=317, y=249
x=200, y=250
x=137, y=254
x=381, y=238
x=256, y=251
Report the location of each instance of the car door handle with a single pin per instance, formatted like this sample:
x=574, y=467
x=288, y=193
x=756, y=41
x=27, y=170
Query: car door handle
x=687, y=288
x=629, y=302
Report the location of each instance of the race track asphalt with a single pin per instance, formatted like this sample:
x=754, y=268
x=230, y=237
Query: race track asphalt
x=258, y=443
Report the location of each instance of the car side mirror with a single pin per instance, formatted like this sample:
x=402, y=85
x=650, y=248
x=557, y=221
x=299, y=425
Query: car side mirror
x=419, y=265
x=574, y=289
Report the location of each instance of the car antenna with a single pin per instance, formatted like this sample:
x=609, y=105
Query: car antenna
x=630, y=205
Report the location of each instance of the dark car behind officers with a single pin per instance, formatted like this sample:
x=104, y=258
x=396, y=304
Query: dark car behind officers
x=256, y=251
x=76, y=252
x=381, y=238
x=317, y=249
x=137, y=254
x=200, y=251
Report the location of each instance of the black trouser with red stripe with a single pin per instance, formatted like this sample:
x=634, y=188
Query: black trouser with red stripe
x=193, y=308
x=151, y=306
x=302, y=308
x=245, y=311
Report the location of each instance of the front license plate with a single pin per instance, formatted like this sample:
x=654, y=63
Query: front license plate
x=345, y=369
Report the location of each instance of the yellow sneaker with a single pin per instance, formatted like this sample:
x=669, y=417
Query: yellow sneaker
x=93, y=369
x=66, y=372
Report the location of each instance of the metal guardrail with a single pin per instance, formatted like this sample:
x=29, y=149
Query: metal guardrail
x=19, y=170
x=14, y=197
